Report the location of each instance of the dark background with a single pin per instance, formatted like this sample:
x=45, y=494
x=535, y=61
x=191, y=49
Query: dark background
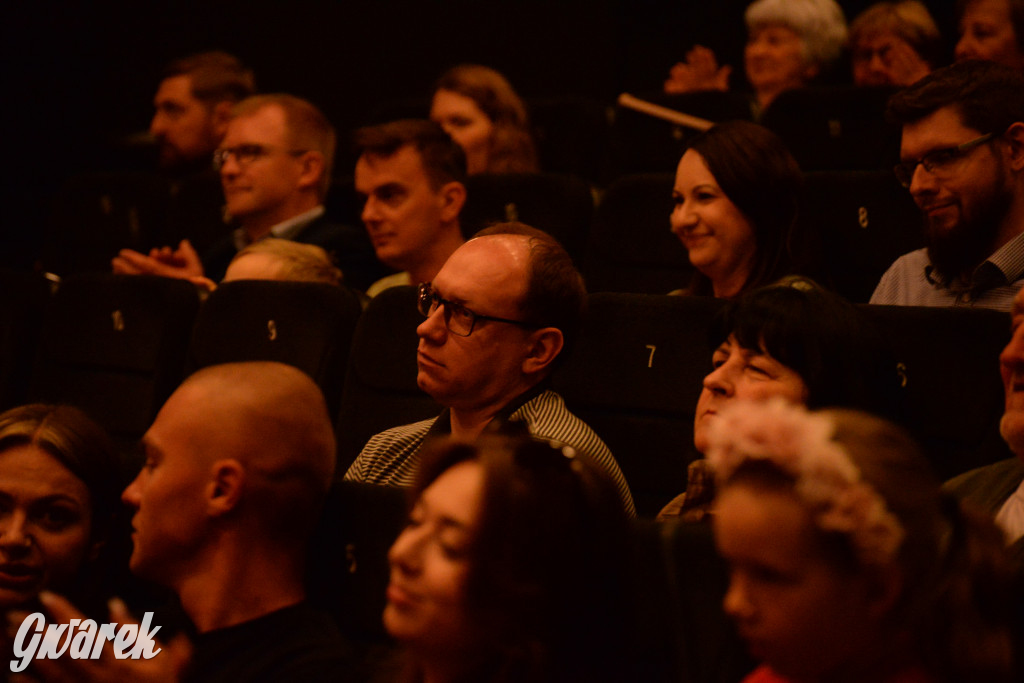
x=79, y=76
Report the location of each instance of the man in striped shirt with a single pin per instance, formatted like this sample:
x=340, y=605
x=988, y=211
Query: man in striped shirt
x=498, y=315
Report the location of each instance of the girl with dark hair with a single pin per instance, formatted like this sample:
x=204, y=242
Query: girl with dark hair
x=511, y=566
x=480, y=110
x=59, y=493
x=791, y=340
x=736, y=200
x=847, y=564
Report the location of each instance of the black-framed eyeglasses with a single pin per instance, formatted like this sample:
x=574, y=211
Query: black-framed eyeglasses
x=938, y=161
x=246, y=154
x=459, y=320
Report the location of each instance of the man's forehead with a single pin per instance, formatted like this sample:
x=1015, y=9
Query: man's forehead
x=266, y=125
x=405, y=165
x=177, y=88
x=944, y=127
x=495, y=264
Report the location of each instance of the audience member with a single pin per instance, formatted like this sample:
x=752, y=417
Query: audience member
x=998, y=489
x=58, y=499
x=412, y=178
x=511, y=567
x=736, y=197
x=792, y=340
x=847, y=564
x=193, y=105
x=962, y=156
x=275, y=165
x=499, y=315
x=894, y=44
x=238, y=463
x=277, y=259
x=480, y=110
x=789, y=44
x=991, y=30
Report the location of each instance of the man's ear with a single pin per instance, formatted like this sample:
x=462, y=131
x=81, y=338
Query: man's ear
x=1014, y=137
x=225, y=486
x=453, y=197
x=220, y=116
x=545, y=345
x=312, y=169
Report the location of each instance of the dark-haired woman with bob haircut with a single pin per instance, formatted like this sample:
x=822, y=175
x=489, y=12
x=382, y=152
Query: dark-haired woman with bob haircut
x=735, y=205
x=511, y=566
x=59, y=493
x=794, y=341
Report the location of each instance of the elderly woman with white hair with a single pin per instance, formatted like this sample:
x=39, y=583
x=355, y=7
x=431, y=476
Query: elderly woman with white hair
x=789, y=43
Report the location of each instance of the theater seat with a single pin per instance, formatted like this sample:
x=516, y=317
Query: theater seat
x=380, y=387
x=836, y=127
x=952, y=392
x=308, y=325
x=634, y=377
x=561, y=205
x=632, y=248
x=114, y=345
x=863, y=221
x=24, y=300
x=347, y=571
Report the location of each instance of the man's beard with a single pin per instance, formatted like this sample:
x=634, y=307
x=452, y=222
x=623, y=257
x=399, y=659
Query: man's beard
x=956, y=250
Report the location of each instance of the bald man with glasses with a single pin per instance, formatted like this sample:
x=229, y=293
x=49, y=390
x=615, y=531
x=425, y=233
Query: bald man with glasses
x=497, y=317
x=275, y=165
x=962, y=159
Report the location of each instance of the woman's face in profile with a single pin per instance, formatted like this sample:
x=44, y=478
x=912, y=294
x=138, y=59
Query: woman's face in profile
x=986, y=32
x=742, y=374
x=467, y=125
x=45, y=524
x=426, y=597
x=718, y=237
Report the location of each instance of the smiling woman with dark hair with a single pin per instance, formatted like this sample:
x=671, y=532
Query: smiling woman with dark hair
x=736, y=200
x=511, y=566
x=59, y=492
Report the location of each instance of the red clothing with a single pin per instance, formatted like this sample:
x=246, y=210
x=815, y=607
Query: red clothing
x=764, y=674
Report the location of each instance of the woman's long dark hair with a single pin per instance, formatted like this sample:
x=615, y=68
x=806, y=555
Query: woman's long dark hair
x=757, y=173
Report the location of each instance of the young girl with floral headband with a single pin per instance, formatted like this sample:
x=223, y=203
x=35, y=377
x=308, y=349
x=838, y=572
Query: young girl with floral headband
x=846, y=562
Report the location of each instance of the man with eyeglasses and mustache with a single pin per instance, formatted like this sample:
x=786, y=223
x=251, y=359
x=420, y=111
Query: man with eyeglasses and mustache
x=275, y=168
x=962, y=158
x=498, y=315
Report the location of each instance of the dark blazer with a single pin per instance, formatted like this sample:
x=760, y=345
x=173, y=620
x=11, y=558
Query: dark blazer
x=349, y=246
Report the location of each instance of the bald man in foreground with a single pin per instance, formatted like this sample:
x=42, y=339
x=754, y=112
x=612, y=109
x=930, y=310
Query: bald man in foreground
x=238, y=463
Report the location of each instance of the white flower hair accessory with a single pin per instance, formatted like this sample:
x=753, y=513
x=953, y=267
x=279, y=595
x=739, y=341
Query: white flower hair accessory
x=800, y=444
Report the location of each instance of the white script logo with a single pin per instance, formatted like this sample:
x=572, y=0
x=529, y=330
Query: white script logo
x=81, y=639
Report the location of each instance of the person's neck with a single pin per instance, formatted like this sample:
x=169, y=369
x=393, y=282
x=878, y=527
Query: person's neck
x=729, y=286
x=239, y=586
x=427, y=268
x=468, y=422
x=258, y=225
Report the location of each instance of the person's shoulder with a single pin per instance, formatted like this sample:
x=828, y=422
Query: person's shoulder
x=906, y=274
x=988, y=486
x=323, y=232
x=399, y=435
x=298, y=642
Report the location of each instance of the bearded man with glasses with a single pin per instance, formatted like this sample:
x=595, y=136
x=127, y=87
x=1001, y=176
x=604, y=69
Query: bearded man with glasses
x=499, y=315
x=962, y=158
x=275, y=165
